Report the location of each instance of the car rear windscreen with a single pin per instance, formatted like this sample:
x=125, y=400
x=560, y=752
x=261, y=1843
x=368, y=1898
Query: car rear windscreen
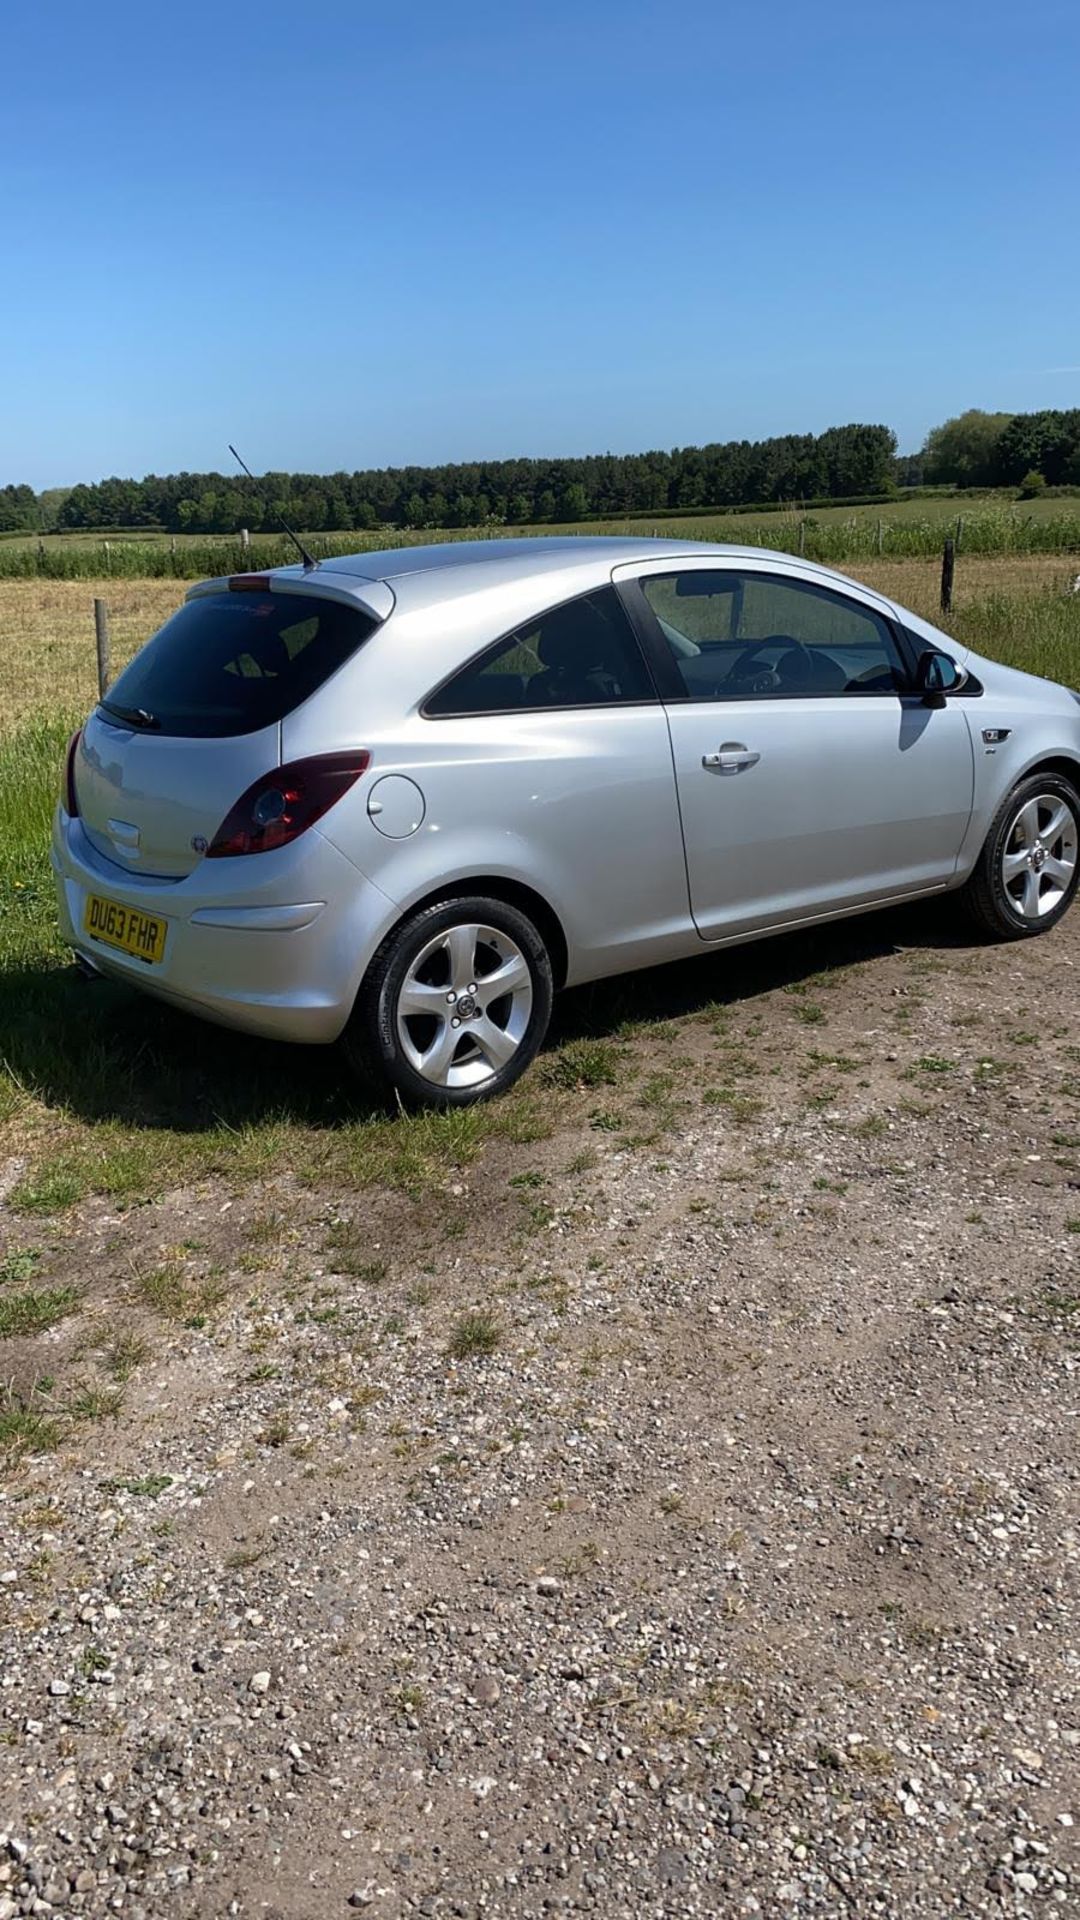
x=231, y=662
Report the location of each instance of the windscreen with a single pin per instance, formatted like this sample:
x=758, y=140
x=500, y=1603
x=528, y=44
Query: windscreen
x=230, y=663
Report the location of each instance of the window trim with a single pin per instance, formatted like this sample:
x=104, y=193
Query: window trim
x=494, y=647
x=665, y=669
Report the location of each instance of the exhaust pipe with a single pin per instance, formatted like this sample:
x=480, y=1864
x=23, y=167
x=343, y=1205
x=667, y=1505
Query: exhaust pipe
x=85, y=968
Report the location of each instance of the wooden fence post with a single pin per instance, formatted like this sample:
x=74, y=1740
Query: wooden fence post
x=802, y=536
x=948, y=563
x=101, y=630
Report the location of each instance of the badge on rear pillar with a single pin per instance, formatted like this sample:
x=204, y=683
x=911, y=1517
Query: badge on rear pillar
x=198, y=843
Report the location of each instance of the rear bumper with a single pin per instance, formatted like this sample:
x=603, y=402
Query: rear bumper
x=276, y=943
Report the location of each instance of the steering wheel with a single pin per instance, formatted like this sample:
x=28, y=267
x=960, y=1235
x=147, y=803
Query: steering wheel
x=766, y=679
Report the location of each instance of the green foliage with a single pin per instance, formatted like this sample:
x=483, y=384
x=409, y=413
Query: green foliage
x=852, y=459
x=1032, y=485
x=963, y=450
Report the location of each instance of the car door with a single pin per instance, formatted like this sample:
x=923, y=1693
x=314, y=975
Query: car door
x=810, y=780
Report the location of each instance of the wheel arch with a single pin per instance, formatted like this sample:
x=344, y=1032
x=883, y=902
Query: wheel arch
x=515, y=894
x=1059, y=763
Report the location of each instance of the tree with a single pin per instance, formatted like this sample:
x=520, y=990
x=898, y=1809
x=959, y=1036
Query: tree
x=963, y=452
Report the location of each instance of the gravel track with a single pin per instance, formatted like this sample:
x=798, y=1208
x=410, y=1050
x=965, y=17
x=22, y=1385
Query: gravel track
x=737, y=1576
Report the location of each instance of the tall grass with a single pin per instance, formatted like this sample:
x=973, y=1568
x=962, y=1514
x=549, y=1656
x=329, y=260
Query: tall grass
x=829, y=537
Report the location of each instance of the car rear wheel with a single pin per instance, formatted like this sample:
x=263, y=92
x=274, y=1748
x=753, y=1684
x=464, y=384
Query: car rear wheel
x=456, y=1003
x=1027, y=872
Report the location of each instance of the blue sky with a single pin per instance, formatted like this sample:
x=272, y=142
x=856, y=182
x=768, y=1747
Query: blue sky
x=348, y=235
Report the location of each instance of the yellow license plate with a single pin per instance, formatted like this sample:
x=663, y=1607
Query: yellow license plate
x=134, y=932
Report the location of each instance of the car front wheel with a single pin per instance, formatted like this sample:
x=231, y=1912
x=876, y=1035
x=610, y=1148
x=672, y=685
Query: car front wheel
x=1027, y=872
x=455, y=1004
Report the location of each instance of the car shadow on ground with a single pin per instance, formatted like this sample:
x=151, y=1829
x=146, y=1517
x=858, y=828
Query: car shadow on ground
x=103, y=1053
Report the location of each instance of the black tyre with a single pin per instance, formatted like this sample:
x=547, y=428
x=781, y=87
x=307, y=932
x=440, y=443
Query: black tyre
x=1027, y=872
x=455, y=1003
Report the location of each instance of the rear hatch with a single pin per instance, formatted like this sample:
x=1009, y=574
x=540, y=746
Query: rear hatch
x=196, y=717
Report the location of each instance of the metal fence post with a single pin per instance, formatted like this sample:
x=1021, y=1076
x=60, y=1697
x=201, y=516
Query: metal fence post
x=101, y=630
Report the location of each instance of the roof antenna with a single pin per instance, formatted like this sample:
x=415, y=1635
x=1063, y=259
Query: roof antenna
x=305, y=556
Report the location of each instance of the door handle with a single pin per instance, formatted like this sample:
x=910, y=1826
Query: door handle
x=731, y=757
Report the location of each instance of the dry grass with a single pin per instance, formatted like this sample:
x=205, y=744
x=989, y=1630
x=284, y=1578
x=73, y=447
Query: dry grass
x=47, y=658
x=916, y=583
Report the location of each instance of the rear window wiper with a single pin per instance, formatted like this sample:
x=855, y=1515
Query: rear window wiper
x=132, y=716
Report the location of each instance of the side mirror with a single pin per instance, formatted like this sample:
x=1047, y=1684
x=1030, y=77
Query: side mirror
x=937, y=674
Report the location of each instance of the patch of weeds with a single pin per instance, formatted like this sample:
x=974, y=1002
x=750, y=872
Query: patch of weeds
x=18, y=1265
x=539, y=1215
x=409, y=1699
x=591, y=1360
x=242, y=1557
x=531, y=1179
x=1065, y=1304
x=605, y=1120
x=553, y=1287
x=147, y=1488
x=670, y=1502
x=349, y=1251
x=742, y=1107
x=123, y=1355
x=276, y=1431
x=582, y=1162
x=583, y=1063
x=871, y=1127
x=842, y=1062
x=474, y=1334
x=176, y=1295
x=809, y=1012
x=95, y=1403
x=35, y=1311
x=24, y=1428
x=266, y=1370
x=421, y=1295
x=1072, y=1226
x=930, y=1065
x=582, y=1560
x=48, y=1189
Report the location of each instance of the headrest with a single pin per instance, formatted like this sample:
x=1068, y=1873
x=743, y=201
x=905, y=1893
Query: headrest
x=574, y=639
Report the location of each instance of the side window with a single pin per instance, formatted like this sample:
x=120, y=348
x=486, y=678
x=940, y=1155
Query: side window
x=740, y=636
x=582, y=654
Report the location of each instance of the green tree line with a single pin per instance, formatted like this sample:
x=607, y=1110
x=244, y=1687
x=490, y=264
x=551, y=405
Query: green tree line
x=976, y=449
x=844, y=461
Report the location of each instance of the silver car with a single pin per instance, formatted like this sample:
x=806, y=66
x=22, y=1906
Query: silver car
x=402, y=797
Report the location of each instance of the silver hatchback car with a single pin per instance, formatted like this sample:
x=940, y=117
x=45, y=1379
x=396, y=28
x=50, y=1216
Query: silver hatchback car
x=404, y=796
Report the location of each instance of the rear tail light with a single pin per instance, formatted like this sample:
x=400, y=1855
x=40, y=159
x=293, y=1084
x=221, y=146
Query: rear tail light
x=69, y=795
x=282, y=805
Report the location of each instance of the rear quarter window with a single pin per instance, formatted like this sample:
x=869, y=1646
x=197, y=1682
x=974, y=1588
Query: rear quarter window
x=231, y=663
x=582, y=653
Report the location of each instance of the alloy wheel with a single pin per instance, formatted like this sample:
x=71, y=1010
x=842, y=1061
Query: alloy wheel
x=464, y=1005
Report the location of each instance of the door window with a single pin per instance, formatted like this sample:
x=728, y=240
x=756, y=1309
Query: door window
x=758, y=636
x=582, y=654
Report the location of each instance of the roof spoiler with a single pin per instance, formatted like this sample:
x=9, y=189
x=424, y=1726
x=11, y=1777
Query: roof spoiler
x=375, y=597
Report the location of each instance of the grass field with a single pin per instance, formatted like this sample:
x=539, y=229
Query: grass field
x=981, y=523
x=103, y=1091
x=1019, y=609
